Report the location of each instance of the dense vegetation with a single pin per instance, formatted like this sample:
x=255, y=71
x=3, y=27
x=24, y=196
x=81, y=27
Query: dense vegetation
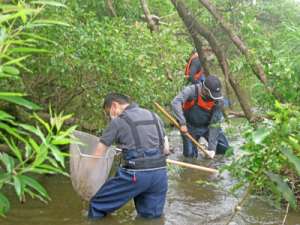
x=70, y=54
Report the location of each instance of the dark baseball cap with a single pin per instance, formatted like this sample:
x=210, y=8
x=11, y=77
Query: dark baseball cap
x=213, y=85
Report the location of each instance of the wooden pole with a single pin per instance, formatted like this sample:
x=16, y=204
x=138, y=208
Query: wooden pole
x=183, y=164
x=191, y=166
x=187, y=134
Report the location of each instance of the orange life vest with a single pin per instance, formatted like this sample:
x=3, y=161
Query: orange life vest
x=187, y=68
x=202, y=103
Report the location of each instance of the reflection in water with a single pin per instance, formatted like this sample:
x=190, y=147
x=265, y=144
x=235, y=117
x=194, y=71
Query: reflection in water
x=187, y=201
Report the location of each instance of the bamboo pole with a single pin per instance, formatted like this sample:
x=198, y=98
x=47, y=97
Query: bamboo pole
x=183, y=164
x=187, y=134
x=191, y=166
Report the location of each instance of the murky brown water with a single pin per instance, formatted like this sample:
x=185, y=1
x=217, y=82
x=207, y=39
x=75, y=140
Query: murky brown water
x=187, y=202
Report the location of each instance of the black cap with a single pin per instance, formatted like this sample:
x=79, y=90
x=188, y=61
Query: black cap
x=213, y=85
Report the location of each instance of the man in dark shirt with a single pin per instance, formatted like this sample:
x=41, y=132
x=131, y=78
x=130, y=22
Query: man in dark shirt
x=193, y=70
x=197, y=110
x=143, y=176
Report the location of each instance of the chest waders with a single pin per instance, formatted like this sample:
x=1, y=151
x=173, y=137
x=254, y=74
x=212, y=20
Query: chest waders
x=198, y=113
x=144, y=163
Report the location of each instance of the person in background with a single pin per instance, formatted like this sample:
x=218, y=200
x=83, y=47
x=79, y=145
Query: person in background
x=193, y=70
x=143, y=176
x=197, y=110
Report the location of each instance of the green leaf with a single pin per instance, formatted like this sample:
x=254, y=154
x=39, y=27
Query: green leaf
x=8, y=161
x=16, y=151
x=236, y=187
x=28, y=150
x=53, y=169
x=34, y=145
x=29, y=128
x=42, y=122
x=35, y=195
x=36, y=36
x=57, y=154
x=20, y=101
x=62, y=141
x=17, y=61
x=50, y=22
x=49, y=3
x=278, y=104
x=264, y=199
x=283, y=188
x=260, y=135
x=11, y=70
x=5, y=203
x=70, y=129
x=292, y=158
x=3, y=177
x=16, y=50
x=24, y=19
x=19, y=184
x=218, y=186
x=32, y=183
x=229, y=151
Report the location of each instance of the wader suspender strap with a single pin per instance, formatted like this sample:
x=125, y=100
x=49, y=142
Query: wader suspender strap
x=193, y=127
x=135, y=134
x=161, y=144
x=196, y=95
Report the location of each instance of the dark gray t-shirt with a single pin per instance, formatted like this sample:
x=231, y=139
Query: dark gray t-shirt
x=118, y=130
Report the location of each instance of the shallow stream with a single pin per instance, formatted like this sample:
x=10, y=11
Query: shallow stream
x=187, y=201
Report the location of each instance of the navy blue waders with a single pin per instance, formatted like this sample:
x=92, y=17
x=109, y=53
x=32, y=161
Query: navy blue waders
x=198, y=115
x=142, y=177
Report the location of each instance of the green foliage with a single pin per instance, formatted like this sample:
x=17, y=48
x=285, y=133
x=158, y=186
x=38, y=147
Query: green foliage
x=40, y=150
x=269, y=148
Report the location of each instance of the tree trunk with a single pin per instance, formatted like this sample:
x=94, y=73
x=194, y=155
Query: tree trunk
x=256, y=68
x=190, y=21
x=111, y=8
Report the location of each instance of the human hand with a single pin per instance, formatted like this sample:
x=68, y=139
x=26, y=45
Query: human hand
x=183, y=129
x=211, y=153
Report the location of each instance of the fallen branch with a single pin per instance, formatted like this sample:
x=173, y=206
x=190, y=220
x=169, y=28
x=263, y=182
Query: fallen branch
x=242, y=115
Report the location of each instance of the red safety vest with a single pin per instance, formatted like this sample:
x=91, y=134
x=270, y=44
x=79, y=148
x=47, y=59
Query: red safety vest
x=187, y=68
x=203, y=104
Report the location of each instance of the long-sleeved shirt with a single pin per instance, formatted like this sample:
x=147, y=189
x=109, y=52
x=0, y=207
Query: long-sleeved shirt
x=188, y=94
x=195, y=67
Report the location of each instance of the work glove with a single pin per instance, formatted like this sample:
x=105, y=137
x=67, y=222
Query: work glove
x=211, y=153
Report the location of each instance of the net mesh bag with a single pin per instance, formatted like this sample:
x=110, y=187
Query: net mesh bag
x=88, y=173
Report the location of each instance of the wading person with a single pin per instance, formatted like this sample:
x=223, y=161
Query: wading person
x=193, y=70
x=197, y=110
x=143, y=176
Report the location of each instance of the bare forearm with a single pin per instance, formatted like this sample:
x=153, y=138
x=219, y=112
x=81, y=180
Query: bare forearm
x=100, y=150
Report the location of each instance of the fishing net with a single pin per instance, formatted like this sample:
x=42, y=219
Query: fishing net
x=88, y=173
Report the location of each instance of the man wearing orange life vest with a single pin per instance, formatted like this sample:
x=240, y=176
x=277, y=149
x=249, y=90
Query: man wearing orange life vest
x=193, y=70
x=197, y=110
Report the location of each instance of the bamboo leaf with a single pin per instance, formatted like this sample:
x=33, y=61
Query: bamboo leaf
x=50, y=22
x=49, y=3
x=5, y=203
x=16, y=151
x=35, y=185
x=57, y=154
x=9, y=163
x=53, y=169
x=16, y=50
x=19, y=184
x=34, y=145
x=11, y=70
x=20, y=101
